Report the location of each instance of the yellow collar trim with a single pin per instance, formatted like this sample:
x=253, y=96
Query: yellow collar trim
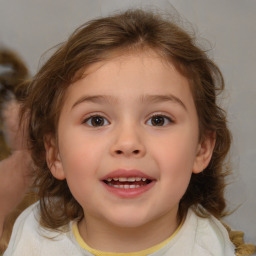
x=150, y=250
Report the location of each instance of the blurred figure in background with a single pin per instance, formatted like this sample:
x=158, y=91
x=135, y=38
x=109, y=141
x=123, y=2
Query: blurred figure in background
x=15, y=160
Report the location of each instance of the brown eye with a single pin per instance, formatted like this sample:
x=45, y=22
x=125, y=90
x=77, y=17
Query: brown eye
x=159, y=120
x=96, y=121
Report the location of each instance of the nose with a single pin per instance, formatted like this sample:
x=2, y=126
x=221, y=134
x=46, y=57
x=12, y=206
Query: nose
x=128, y=143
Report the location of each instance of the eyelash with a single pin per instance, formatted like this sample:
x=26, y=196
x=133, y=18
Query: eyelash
x=163, y=118
x=90, y=118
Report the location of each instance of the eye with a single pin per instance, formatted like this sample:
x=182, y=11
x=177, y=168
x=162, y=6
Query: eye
x=159, y=120
x=96, y=121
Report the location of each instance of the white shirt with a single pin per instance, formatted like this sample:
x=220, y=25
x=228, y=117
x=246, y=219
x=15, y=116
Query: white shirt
x=197, y=237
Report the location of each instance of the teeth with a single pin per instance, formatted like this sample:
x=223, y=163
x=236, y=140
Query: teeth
x=124, y=179
x=132, y=179
x=125, y=186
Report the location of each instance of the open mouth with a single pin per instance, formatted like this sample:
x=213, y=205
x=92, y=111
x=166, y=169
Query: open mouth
x=127, y=183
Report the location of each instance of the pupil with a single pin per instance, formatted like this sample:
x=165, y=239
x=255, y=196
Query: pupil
x=158, y=120
x=97, y=121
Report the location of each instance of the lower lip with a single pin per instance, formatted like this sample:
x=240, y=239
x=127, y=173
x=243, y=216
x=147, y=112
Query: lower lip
x=129, y=192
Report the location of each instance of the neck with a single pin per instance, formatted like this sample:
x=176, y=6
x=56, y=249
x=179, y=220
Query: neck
x=110, y=238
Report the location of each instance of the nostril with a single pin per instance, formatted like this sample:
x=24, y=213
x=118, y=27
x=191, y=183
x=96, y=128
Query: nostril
x=120, y=152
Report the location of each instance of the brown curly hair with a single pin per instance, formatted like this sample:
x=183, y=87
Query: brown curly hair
x=98, y=40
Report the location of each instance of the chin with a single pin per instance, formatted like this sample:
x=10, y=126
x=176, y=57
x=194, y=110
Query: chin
x=122, y=220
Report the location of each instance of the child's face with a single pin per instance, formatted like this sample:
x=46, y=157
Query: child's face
x=132, y=117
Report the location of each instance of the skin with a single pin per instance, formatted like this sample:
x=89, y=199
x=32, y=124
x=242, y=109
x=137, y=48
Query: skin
x=13, y=134
x=15, y=171
x=129, y=139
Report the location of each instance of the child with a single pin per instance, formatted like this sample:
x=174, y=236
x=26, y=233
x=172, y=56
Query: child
x=129, y=145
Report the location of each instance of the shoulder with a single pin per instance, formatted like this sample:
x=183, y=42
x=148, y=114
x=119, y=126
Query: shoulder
x=25, y=222
x=212, y=236
x=199, y=237
x=29, y=238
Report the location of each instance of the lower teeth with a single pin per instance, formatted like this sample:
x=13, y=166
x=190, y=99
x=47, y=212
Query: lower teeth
x=124, y=186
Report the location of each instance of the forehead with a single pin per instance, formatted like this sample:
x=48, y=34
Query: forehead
x=131, y=74
x=148, y=62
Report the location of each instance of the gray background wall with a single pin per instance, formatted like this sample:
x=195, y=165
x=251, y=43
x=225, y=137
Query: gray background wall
x=30, y=27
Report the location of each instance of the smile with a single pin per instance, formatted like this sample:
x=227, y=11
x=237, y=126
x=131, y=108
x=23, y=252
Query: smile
x=127, y=182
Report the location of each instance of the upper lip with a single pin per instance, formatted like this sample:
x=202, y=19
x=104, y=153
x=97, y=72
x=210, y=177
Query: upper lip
x=127, y=174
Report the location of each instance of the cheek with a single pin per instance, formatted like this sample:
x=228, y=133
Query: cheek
x=79, y=168
x=175, y=174
x=80, y=156
x=175, y=159
x=74, y=145
x=176, y=152
x=78, y=161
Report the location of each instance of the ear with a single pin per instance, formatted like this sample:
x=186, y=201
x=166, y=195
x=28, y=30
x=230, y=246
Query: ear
x=204, y=152
x=53, y=157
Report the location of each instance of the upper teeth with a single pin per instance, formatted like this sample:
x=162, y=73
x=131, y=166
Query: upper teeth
x=123, y=179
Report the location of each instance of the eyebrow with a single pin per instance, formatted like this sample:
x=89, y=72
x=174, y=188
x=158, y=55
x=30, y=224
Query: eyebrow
x=108, y=99
x=100, y=99
x=162, y=98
